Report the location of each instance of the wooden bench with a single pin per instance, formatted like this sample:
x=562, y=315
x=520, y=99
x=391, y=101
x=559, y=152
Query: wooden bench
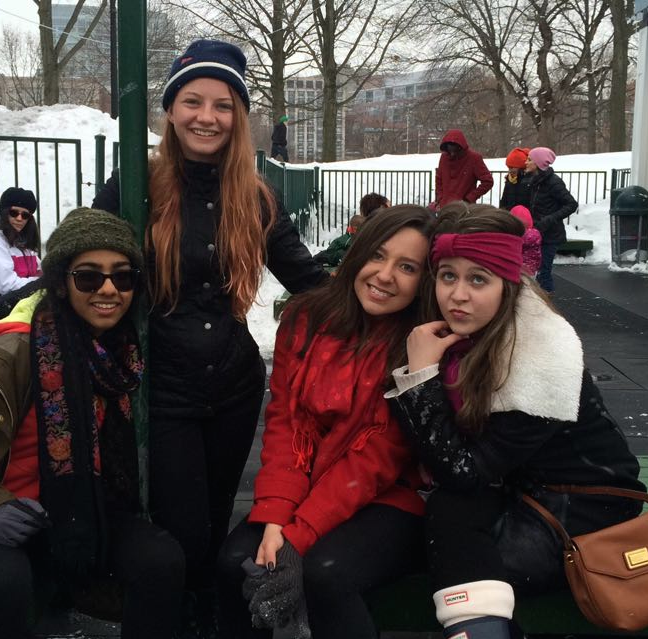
x=406, y=606
x=575, y=247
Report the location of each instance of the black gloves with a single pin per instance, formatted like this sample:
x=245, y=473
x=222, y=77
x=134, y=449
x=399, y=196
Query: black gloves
x=277, y=597
x=20, y=519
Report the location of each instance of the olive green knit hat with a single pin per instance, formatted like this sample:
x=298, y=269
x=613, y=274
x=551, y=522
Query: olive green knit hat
x=85, y=229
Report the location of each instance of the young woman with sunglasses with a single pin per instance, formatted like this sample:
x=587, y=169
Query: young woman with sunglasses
x=214, y=225
x=69, y=489
x=498, y=404
x=19, y=240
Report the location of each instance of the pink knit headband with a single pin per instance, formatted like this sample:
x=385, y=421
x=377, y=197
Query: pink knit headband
x=500, y=253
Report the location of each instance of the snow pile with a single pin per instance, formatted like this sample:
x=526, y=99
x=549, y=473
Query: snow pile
x=65, y=121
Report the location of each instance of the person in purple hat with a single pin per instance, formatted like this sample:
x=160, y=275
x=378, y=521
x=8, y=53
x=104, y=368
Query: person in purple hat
x=214, y=225
x=19, y=240
x=550, y=203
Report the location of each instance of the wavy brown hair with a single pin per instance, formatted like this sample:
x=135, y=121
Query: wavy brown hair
x=248, y=212
x=334, y=309
x=484, y=369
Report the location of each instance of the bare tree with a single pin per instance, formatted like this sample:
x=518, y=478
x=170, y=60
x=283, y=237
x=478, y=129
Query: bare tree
x=365, y=33
x=273, y=32
x=54, y=56
x=20, y=54
x=528, y=46
x=621, y=11
x=581, y=23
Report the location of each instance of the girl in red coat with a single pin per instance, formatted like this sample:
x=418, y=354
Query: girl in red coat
x=335, y=511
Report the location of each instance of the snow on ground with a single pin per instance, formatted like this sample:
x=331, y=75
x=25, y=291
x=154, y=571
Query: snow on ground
x=79, y=122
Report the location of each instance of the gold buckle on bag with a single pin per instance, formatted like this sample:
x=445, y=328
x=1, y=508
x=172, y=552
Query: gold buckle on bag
x=636, y=558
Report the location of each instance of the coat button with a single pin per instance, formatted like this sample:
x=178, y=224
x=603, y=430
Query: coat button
x=210, y=368
x=210, y=206
x=210, y=248
x=207, y=325
x=206, y=285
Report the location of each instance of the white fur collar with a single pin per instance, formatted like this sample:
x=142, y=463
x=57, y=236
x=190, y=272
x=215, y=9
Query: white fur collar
x=547, y=364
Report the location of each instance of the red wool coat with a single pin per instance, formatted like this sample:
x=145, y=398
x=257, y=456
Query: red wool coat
x=330, y=445
x=457, y=178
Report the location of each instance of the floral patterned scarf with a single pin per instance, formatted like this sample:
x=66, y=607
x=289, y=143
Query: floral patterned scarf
x=86, y=436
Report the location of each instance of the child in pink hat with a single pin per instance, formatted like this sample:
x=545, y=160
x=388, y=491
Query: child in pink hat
x=531, y=241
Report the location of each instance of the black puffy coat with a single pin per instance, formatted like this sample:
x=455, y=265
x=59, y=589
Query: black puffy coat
x=518, y=193
x=550, y=203
x=201, y=357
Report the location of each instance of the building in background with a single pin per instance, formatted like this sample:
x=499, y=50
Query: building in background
x=402, y=113
x=305, y=125
x=91, y=63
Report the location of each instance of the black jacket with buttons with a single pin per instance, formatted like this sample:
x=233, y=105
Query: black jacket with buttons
x=550, y=203
x=200, y=356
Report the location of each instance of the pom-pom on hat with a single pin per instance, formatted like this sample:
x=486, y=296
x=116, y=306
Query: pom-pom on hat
x=542, y=156
x=85, y=229
x=208, y=59
x=516, y=159
x=523, y=214
x=15, y=196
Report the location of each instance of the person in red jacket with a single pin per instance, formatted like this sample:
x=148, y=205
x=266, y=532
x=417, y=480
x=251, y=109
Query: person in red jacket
x=336, y=509
x=461, y=174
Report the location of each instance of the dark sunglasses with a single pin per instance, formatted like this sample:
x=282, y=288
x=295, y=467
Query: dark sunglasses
x=87, y=281
x=21, y=214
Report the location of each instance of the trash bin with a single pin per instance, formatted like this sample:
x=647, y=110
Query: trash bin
x=629, y=225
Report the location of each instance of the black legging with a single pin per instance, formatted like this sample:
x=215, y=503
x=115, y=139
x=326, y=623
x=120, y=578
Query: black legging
x=147, y=561
x=490, y=536
x=196, y=466
x=493, y=535
x=376, y=546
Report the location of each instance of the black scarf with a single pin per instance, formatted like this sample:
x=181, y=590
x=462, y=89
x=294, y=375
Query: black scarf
x=86, y=436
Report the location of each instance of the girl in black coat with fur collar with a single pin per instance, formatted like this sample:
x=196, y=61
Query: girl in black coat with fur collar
x=497, y=403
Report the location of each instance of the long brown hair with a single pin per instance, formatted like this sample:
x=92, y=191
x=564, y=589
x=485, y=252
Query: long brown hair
x=334, y=309
x=248, y=212
x=485, y=368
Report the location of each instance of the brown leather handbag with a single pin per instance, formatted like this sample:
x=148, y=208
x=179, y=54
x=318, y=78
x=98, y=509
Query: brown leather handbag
x=607, y=570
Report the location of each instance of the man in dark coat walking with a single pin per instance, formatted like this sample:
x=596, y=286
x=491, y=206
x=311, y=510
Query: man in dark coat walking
x=280, y=140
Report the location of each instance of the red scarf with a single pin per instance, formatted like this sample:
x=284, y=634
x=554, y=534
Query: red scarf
x=331, y=387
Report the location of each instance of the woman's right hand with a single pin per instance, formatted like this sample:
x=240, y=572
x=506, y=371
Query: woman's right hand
x=270, y=544
x=427, y=343
x=20, y=519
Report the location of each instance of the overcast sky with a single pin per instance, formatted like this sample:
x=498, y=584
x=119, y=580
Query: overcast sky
x=23, y=14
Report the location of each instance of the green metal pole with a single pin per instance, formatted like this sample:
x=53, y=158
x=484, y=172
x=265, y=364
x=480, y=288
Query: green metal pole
x=131, y=48
x=100, y=162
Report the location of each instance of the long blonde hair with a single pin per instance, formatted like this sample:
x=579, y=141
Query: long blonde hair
x=248, y=212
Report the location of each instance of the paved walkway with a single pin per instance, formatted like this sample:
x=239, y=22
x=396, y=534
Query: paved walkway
x=610, y=312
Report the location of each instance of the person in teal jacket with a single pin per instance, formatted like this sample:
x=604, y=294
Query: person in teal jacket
x=333, y=254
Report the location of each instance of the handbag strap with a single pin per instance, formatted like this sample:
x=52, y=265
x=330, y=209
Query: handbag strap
x=585, y=490
x=555, y=524
x=599, y=490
